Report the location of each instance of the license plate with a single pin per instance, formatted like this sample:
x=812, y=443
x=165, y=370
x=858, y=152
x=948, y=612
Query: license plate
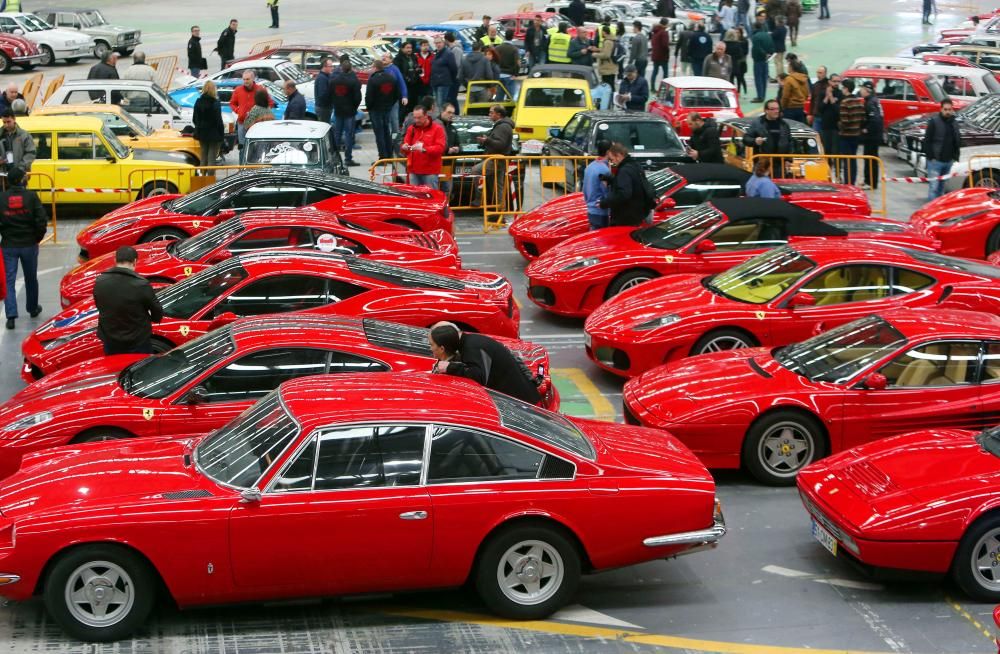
x=587, y=339
x=825, y=538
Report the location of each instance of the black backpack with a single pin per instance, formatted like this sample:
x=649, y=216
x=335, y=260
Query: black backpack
x=649, y=192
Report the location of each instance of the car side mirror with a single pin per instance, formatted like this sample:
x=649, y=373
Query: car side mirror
x=197, y=395
x=704, y=245
x=666, y=203
x=555, y=132
x=111, y=159
x=876, y=382
x=251, y=496
x=802, y=300
x=222, y=320
x=224, y=215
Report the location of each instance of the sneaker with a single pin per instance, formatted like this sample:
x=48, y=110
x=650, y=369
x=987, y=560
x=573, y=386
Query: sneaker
x=36, y=312
x=351, y=163
x=756, y=100
x=10, y=323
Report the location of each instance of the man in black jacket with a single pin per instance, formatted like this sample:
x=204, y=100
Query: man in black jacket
x=704, y=145
x=575, y=12
x=871, y=135
x=536, y=42
x=323, y=90
x=382, y=93
x=627, y=200
x=345, y=94
x=196, y=61
x=105, y=68
x=226, y=45
x=769, y=134
x=23, y=222
x=127, y=307
x=483, y=360
x=942, y=147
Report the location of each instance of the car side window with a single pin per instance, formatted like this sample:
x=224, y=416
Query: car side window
x=845, y=284
x=891, y=89
x=991, y=363
x=43, y=144
x=667, y=94
x=8, y=25
x=944, y=363
x=273, y=238
x=459, y=454
x=907, y=281
x=581, y=134
x=347, y=362
x=694, y=194
x=571, y=127
x=266, y=197
x=137, y=102
x=278, y=294
x=78, y=146
x=750, y=234
x=255, y=375
x=96, y=96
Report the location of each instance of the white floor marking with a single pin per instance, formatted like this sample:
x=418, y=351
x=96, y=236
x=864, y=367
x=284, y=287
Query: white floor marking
x=580, y=613
x=831, y=581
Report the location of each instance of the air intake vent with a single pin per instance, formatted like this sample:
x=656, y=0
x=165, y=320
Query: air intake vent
x=186, y=495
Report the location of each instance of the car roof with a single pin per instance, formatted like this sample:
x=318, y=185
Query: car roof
x=425, y=33
x=622, y=116
x=957, y=71
x=860, y=252
x=283, y=216
x=139, y=83
x=703, y=172
x=555, y=83
x=59, y=109
x=298, y=46
x=696, y=82
x=798, y=221
x=971, y=47
x=883, y=72
x=61, y=122
x=914, y=323
x=464, y=23
x=284, y=129
x=355, y=43
x=296, y=329
x=310, y=175
x=797, y=128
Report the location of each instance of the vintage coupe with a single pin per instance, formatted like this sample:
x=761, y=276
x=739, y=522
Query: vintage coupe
x=207, y=382
x=165, y=262
x=678, y=188
x=168, y=217
x=782, y=296
x=966, y=221
x=775, y=410
x=924, y=501
x=327, y=479
x=278, y=281
x=575, y=276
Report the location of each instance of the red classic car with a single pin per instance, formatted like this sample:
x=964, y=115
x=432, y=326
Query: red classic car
x=966, y=221
x=678, y=188
x=924, y=502
x=679, y=96
x=327, y=479
x=165, y=262
x=775, y=410
x=782, y=296
x=205, y=383
x=274, y=281
x=18, y=51
x=903, y=94
x=575, y=276
x=170, y=217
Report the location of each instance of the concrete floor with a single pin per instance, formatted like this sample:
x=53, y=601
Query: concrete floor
x=768, y=587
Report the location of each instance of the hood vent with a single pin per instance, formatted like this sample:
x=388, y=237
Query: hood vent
x=186, y=495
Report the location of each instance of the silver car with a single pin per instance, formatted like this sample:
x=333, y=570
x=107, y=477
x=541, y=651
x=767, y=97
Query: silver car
x=92, y=22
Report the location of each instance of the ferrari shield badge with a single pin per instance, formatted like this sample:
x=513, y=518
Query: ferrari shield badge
x=185, y=330
x=148, y=414
x=669, y=258
x=197, y=224
x=187, y=271
x=760, y=315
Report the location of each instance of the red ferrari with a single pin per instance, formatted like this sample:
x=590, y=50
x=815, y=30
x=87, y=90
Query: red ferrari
x=774, y=411
x=681, y=187
x=925, y=502
x=281, y=282
x=165, y=262
x=207, y=382
x=575, y=276
x=782, y=296
x=170, y=217
x=966, y=221
x=327, y=479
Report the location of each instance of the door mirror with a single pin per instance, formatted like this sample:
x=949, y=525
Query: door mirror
x=197, y=395
x=802, y=300
x=223, y=215
x=222, y=320
x=250, y=496
x=704, y=245
x=876, y=382
x=111, y=159
x=666, y=204
x=555, y=132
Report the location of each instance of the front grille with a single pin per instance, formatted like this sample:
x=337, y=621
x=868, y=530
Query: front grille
x=542, y=294
x=821, y=518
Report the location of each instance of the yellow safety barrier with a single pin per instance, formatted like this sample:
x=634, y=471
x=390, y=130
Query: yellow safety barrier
x=30, y=89
x=457, y=177
x=834, y=168
x=984, y=170
x=52, y=87
x=264, y=46
x=367, y=31
x=516, y=184
x=163, y=181
x=461, y=15
x=165, y=68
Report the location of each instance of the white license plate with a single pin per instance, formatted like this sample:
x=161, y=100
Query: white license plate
x=587, y=339
x=825, y=538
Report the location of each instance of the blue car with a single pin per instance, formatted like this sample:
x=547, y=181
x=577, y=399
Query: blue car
x=463, y=30
x=188, y=95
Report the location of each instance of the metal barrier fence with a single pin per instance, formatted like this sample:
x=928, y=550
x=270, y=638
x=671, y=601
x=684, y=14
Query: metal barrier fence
x=165, y=67
x=461, y=15
x=162, y=181
x=52, y=88
x=838, y=169
x=30, y=89
x=459, y=175
x=984, y=170
x=264, y=46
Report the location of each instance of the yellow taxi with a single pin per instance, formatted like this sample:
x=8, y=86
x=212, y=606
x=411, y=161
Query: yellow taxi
x=542, y=103
x=129, y=129
x=82, y=161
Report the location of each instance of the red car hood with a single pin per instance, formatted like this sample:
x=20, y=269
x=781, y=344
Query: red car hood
x=145, y=209
x=825, y=197
x=608, y=242
x=96, y=373
x=72, y=320
x=550, y=219
x=153, y=257
x=956, y=203
x=679, y=294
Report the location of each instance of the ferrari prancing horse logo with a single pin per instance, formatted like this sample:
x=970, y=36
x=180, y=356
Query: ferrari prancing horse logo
x=185, y=330
x=760, y=315
x=669, y=258
x=197, y=224
x=187, y=271
x=148, y=413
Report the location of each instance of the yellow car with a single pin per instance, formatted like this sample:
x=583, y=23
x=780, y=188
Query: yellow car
x=364, y=52
x=86, y=164
x=130, y=130
x=543, y=102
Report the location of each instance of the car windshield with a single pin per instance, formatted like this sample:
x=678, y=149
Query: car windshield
x=642, y=135
x=968, y=266
x=121, y=151
x=679, y=230
x=189, y=296
x=277, y=93
x=542, y=97
x=934, y=87
x=841, y=353
x=130, y=120
x=708, y=98
x=868, y=226
x=548, y=427
x=92, y=18
x=288, y=70
x=158, y=376
x=360, y=57
x=283, y=152
x=33, y=23
x=989, y=440
x=198, y=246
x=242, y=451
x=663, y=180
x=762, y=278
x=468, y=34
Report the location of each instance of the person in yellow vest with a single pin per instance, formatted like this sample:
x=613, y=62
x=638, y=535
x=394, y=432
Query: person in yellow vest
x=11, y=5
x=273, y=6
x=492, y=39
x=559, y=44
x=600, y=30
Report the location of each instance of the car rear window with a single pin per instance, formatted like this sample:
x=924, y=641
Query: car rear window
x=555, y=97
x=393, y=336
x=401, y=276
x=641, y=135
x=954, y=263
x=708, y=98
x=546, y=426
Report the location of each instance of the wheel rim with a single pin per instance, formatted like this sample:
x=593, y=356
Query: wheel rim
x=46, y=56
x=4, y=64
x=530, y=572
x=159, y=190
x=633, y=282
x=720, y=343
x=986, y=560
x=988, y=182
x=99, y=594
x=785, y=449
x=100, y=50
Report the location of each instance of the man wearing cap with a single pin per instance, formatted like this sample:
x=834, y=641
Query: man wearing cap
x=633, y=90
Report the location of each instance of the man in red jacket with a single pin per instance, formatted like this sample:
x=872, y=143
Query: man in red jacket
x=424, y=145
x=659, y=42
x=242, y=102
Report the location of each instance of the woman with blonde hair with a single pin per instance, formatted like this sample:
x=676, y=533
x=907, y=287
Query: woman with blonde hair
x=208, y=128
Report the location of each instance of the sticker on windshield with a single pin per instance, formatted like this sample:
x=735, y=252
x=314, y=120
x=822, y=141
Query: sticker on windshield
x=603, y=126
x=307, y=147
x=577, y=92
x=811, y=143
x=326, y=243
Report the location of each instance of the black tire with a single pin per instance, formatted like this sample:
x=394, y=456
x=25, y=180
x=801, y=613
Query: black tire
x=5, y=63
x=125, y=52
x=982, y=585
x=160, y=345
x=403, y=223
x=152, y=189
x=100, y=49
x=162, y=234
x=554, y=548
x=780, y=444
x=628, y=280
x=722, y=339
x=48, y=57
x=993, y=242
x=27, y=67
x=986, y=178
x=126, y=575
x=72, y=60
x=101, y=434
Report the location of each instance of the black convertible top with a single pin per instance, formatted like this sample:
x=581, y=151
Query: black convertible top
x=711, y=172
x=798, y=221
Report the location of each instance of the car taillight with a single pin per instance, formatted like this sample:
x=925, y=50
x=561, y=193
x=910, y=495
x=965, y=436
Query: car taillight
x=510, y=306
x=524, y=130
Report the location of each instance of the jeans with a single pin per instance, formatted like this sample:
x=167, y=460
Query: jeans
x=849, y=168
x=383, y=132
x=195, y=72
x=28, y=257
x=935, y=189
x=423, y=180
x=142, y=347
x=343, y=135
x=274, y=17
x=241, y=134
x=760, y=78
x=596, y=221
x=640, y=67
x=394, y=119
x=696, y=67
x=824, y=10
x=512, y=84
x=818, y=126
x=794, y=114
x=323, y=114
x=663, y=66
x=441, y=95
x=209, y=153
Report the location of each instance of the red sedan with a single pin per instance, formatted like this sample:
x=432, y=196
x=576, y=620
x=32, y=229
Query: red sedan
x=574, y=277
x=324, y=481
x=920, y=502
x=205, y=383
x=281, y=282
x=171, y=217
x=165, y=262
x=966, y=221
x=679, y=188
x=782, y=296
x=775, y=410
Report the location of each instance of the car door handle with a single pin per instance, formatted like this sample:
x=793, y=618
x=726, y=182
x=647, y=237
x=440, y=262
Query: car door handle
x=63, y=169
x=912, y=107
x=413, y=515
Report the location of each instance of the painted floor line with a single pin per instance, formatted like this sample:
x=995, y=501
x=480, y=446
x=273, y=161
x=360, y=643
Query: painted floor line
x=830, y=581
x=959, y=609
x=603, y=410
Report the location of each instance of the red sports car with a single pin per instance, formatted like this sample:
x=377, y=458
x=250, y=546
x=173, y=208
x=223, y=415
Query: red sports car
x=925, y=502
x=775, y=410
x=281, y=282
x=679, y=188
x=170, y=217
x=966, y=221
x=576, y=275
x=782, y=296
x=207, y=382
x=326, y=480
x=165, y=262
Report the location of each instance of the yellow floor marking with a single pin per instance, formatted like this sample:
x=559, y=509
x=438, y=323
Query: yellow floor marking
x=814, y=34
x=639, y=637
x=969, y=618
x=602, y=408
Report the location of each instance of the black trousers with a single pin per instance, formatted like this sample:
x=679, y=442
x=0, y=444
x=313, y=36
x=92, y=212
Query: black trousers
x=142, y=347
x=274, y=17
x=871, y=168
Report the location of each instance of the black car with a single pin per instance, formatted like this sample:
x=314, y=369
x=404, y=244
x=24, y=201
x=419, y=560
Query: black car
x=978, y=123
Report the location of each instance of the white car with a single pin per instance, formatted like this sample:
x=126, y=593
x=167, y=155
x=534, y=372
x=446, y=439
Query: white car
x=276, y=70
x=53, y=43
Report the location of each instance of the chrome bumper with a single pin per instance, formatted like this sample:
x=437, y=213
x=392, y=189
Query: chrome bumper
x=28, y=59
x=709, y=536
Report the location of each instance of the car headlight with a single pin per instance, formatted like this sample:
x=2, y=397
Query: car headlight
x=582, y=263
x=121, y=38
x=17, y=52
x=115, y=226
x=63, y=340
x=33, y=420
x=659, y=321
